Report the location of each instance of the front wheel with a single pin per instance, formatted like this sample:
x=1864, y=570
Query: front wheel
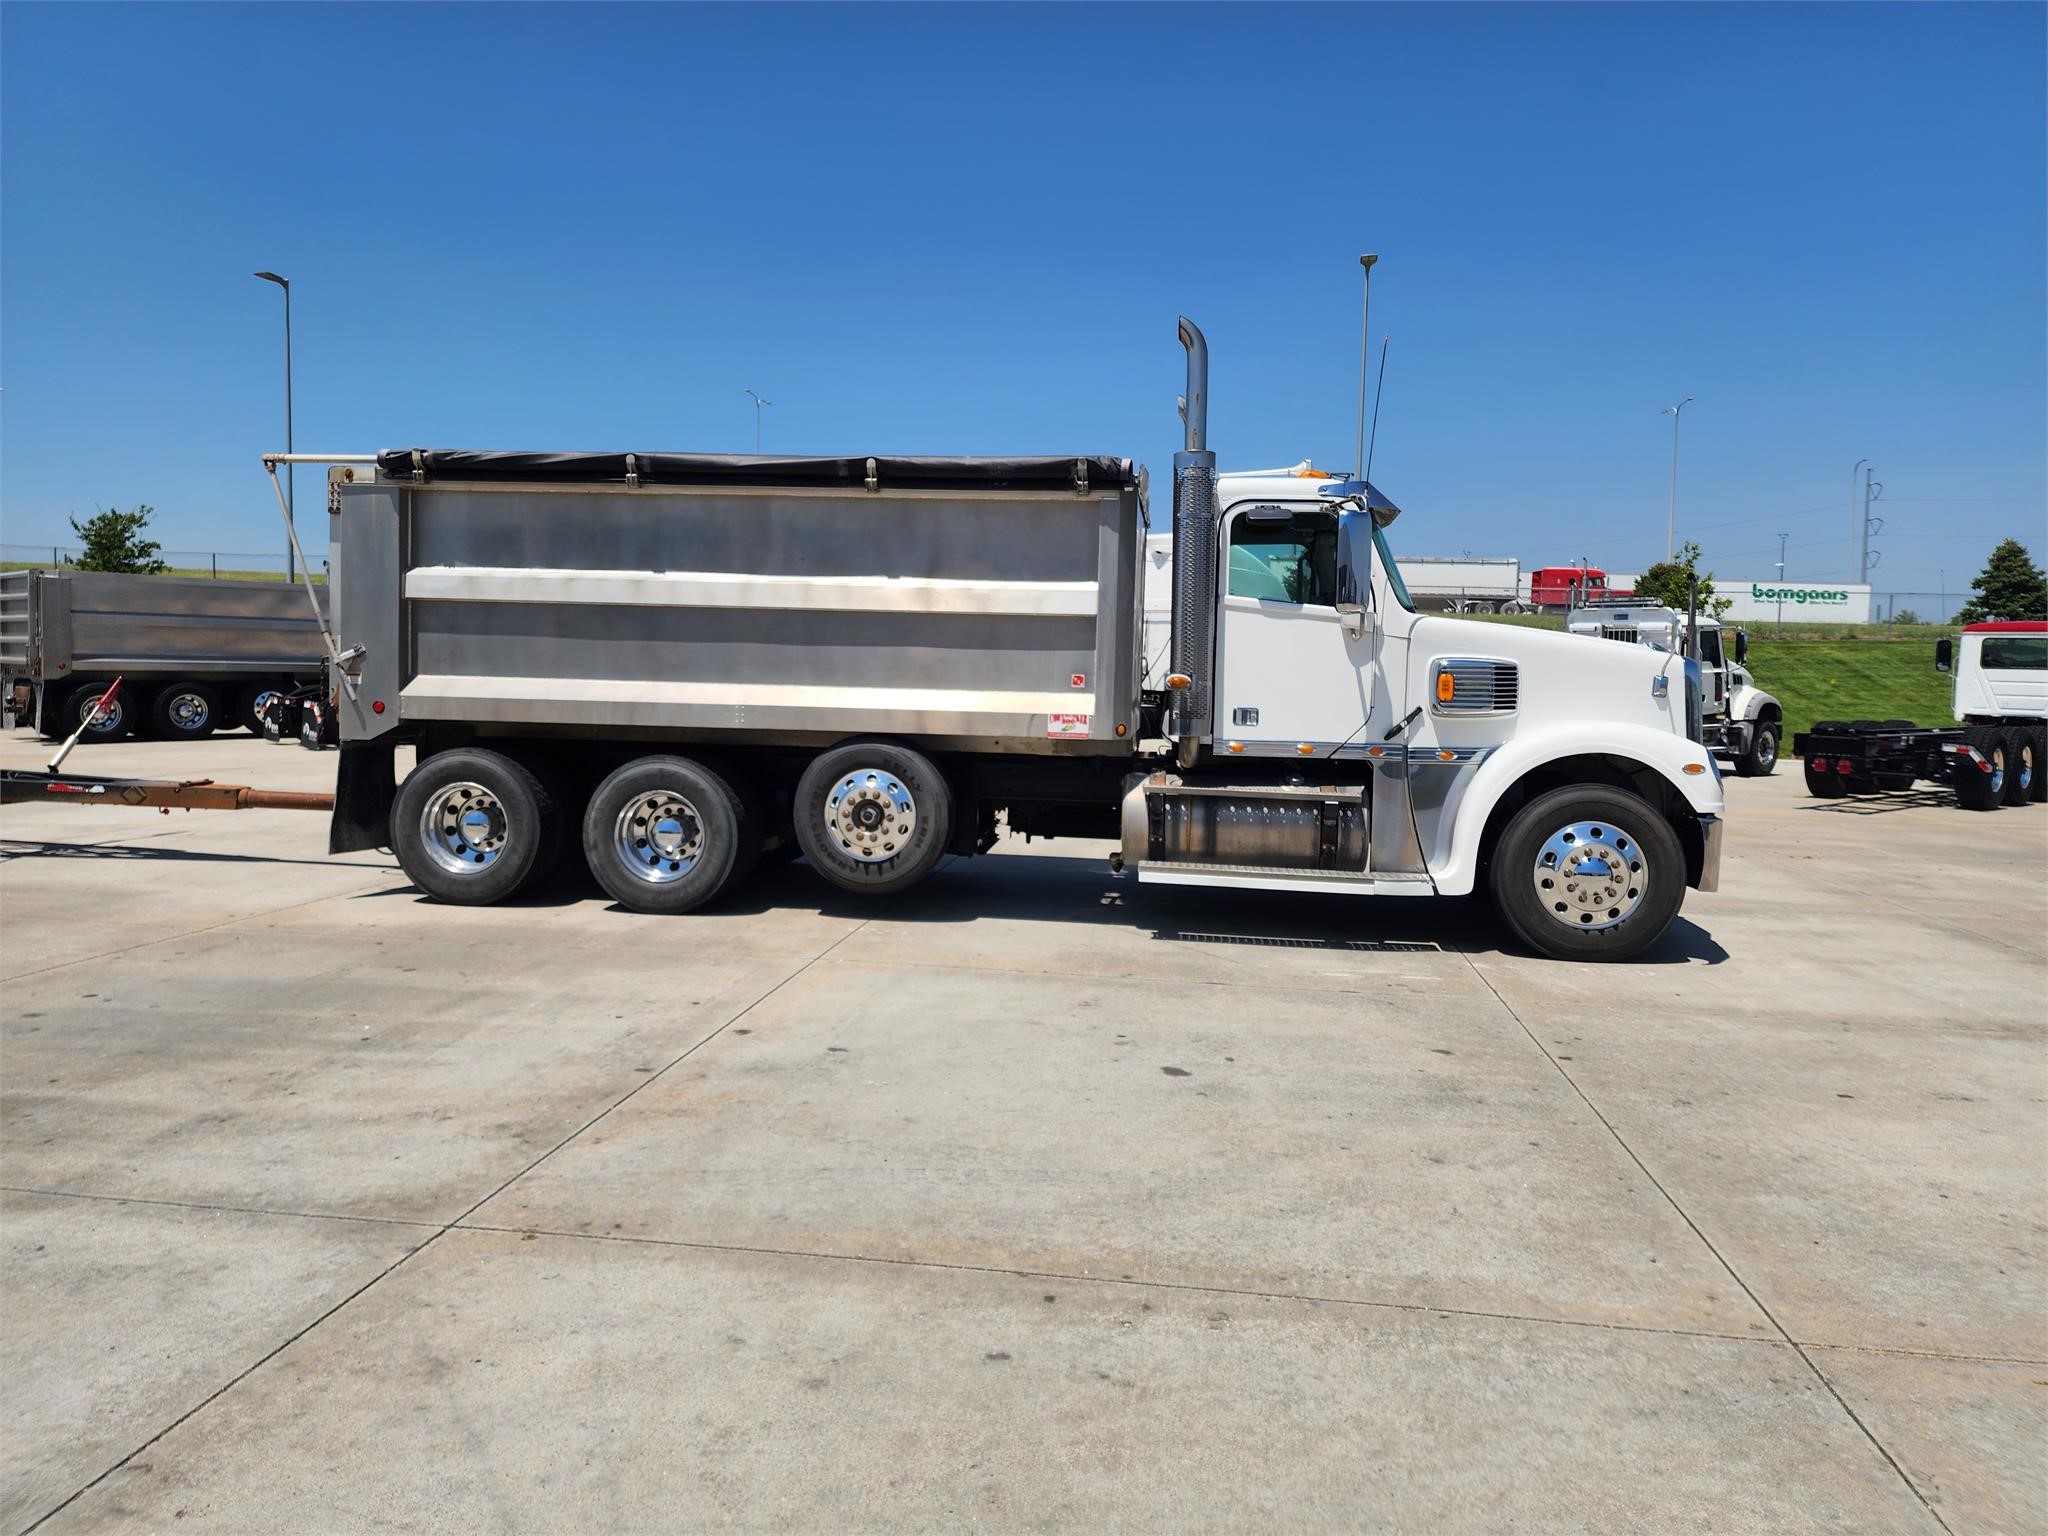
x=1760, y=757
x=473, y=827
x=1588, y=873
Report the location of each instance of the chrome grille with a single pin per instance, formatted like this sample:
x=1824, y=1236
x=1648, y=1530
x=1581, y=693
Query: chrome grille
x=1478, y=686
x=1628, y=634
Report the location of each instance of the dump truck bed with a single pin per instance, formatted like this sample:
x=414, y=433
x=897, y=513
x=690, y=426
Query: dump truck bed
x=989, y=603
x=61, y=624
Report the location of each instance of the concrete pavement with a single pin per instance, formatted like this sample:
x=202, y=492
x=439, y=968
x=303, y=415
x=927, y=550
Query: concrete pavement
x=1034, y=1200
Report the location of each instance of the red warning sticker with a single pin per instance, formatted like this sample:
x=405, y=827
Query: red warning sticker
x=1079, y=680
x=1066, y=725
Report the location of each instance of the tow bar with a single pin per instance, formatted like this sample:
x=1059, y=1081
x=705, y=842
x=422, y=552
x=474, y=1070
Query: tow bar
x=18, y=786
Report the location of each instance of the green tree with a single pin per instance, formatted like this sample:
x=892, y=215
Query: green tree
x=2010, y=586
x=113, y=542
x=1667, y=580
x=1906, y=616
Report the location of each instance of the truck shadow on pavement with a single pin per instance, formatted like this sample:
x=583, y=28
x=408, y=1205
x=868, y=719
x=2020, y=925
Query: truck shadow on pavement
x=21, y=848
x=1058, y=888
x=1893, y=800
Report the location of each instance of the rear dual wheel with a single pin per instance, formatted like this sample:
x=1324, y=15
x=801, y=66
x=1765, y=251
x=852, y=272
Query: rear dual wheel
x=668, y=834
x=1983, y=788
x=473, y=827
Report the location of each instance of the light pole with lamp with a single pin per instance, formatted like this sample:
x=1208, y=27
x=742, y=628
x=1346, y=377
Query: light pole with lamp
x=758, y=403
x=1671, y=516
x=1781, y=585
x=290, y=564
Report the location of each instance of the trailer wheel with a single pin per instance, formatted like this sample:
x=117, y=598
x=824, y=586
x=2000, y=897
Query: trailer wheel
x=184, y=712
x=1760, y=758
x=2022, y=767
x=249, y=706
x=2038, y=790
x=873, y=817
x=1588, y=873
x=665, y=834
x=1821, y=780
x=1977, y=789
x=470, y=827
x=117, y=722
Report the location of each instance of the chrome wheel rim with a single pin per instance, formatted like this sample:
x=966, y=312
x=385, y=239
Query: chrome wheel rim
x=2026, y=768
x=658, y=836
x=189, y=711
x=870, y=815
x=108, y=719
x=464, y=828
x=1997, y=770
x=1590, y=875
x=261, y=707
x=1766, y=748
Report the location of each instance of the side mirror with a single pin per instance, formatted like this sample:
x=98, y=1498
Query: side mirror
x=1354, y=571
x=1741, y=646
x=1944, y=654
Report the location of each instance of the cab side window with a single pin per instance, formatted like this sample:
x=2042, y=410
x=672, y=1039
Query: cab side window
x=1290, y=560
x=2015, y=652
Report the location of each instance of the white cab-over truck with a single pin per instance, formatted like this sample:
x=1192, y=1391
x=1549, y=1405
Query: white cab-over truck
x=681, y=662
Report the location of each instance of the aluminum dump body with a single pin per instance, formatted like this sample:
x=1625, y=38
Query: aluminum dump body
x=61, y=624
x=988, y=603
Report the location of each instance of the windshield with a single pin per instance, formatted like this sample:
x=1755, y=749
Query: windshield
x=1379, y=543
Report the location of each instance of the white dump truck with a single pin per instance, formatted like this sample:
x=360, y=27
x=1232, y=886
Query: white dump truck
x=1741, y=722
x=677, y=662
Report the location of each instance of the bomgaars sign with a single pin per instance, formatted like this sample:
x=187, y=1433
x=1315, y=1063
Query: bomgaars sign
x=1808, y=601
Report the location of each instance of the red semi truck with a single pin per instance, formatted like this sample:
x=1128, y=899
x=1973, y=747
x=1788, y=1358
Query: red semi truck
x=1560, y=588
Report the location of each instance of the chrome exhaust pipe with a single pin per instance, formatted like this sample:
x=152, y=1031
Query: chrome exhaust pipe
x=1194, y=557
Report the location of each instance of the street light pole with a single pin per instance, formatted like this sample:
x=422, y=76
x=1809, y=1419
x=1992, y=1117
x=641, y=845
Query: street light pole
x=1781, y=585
x=1671, y=516
x=758, y=403
x=290, y=563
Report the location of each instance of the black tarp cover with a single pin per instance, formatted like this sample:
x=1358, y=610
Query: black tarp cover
x=1046, y=473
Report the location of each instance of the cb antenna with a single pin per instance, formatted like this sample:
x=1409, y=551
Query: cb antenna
x=1379, y=392
x=1364, y=358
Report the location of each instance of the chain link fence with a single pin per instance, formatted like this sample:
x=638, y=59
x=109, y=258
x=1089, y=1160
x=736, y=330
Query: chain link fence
x=225, y=564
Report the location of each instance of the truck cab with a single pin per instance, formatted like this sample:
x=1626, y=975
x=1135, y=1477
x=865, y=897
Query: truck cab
x=1740, y=720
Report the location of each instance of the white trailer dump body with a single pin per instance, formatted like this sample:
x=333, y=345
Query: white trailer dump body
x=1462, y=583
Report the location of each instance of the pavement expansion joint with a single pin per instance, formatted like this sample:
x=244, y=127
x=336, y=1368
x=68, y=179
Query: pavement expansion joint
x=221, y=1207
x=1308, y=1298
x=1720, y=1258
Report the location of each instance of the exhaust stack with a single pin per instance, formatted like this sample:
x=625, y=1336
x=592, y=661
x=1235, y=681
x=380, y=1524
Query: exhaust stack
x=1194, y=555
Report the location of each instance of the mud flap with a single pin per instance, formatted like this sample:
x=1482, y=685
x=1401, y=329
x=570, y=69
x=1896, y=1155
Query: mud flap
x=365, y=784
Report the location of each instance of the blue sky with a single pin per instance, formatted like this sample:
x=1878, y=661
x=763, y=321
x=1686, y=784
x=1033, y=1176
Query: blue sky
x=970, y=230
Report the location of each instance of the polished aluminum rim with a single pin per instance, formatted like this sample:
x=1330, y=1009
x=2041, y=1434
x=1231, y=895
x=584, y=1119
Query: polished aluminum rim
x=1998, y=770
x=870, y=815
x=189, y=711
x=464, y=828
x=1590, y=875
x=658, y=836
x=1766, y=748
x=2027, y=765
x=108, y=719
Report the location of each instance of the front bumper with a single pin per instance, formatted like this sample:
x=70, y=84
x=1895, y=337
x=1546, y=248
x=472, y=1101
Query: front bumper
x=1710, y=854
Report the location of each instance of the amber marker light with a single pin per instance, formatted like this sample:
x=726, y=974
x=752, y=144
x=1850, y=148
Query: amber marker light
x=1446, y=687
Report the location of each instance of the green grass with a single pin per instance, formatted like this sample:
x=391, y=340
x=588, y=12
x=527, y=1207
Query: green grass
x=1834, y=671
x=1852, y=679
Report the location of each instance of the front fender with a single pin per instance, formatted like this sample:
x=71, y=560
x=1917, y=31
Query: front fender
x=1455, y=849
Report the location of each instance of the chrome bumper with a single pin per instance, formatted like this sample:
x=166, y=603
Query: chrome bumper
x=1710, y=854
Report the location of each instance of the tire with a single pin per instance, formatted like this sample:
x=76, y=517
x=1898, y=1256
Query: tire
x=118, y=721
x=2022, y=767
x=472, y=827
x=1977, y=790
x=2039, y=789
x=666, y=834
x=888, y=802
x=1562, y=869
x=249, y=705
x=1760, y=759
x=184, y=711
x=1823, y=783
